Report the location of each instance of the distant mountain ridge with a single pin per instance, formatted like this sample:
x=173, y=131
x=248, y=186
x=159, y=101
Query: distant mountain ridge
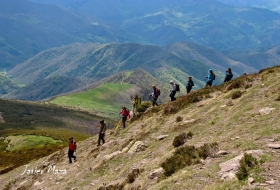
x=205, y=22
x=273, y=5
x=28, y=28
x=95, y=62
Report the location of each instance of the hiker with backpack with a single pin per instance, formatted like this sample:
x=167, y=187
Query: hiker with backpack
x=102, y=130
x=175, y=88
x=136, y=104
x=72, y=149
x=211, y=76
x=190, y=84
x=155, y=94
x=125, y=113
x=229, y=75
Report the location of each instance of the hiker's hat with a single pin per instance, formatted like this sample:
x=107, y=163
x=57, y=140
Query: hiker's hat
x=171, y=81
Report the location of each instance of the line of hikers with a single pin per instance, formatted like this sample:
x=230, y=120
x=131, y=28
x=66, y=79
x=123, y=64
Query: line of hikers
x=136, y=104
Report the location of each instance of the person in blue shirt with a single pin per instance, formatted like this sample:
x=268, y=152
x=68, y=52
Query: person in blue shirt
x=211, y=76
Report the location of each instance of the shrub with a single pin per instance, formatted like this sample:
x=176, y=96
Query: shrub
x=246, y=164
x=179, y=118
x=180, y=140
x=235, y=84
x=186, y=156
x=236, y=94
x=144, y=106
x=208, y=150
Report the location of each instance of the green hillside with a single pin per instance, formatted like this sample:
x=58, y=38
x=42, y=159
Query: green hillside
x=104, y=100
x=47, y=88
x=7, y=84
x=31, y=130
x=47, y=74
x=213, y=58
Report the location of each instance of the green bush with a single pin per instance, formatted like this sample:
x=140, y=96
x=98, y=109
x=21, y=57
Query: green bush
x=186, y=156
x=144, y=106
x=246, y=164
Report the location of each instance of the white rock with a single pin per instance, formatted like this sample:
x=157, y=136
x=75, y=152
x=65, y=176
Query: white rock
x=37, y=183
x=228, y=176
x=161, y=137
x=271, y=182
x=274, y=146
x=265, y=111
x=250, y=180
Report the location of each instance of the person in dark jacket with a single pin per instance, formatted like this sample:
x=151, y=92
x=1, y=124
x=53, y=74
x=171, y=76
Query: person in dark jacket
x=72, y=149
x=125, y=113
x=229, y=75
x=189, y=85
x=101, y=132
x=155, y=95
x=211, y=76
x=173, y=90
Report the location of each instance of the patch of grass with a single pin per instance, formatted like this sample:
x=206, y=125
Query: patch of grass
x=247, y=163
x=186, y=156
x=29, y=142
x=100, y=99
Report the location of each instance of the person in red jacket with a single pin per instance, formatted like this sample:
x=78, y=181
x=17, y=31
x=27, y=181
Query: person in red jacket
x=125, y=113
x=72, y=149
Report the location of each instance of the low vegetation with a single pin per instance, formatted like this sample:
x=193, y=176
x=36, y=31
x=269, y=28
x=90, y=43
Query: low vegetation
x=186, y=156
x=247, y=163
x=182, y=139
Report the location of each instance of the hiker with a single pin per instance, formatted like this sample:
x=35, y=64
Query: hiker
x=125, y=113
x=211, y=76
x=72, y=149
x=229, y=75
x=189, y=85
x=101, y=132
x=136, y=104
x=155, y=94
x=173, y=90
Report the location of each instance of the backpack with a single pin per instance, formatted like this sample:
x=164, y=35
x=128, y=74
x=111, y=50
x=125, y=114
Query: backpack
x=158, y=91
x=177, y=88
x=214, y=76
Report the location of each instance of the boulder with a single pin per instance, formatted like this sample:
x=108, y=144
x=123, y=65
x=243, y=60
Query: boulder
x=112, y=155
x=138, y=146
x=228, y=176
x=156, y=173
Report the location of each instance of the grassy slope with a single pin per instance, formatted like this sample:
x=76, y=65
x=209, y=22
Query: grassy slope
x=40, y=119
x=204, y=114
x=100, y=100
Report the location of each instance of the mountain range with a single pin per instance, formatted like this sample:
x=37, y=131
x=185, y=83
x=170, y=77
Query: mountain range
x=273, y=5
x=29, y=27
